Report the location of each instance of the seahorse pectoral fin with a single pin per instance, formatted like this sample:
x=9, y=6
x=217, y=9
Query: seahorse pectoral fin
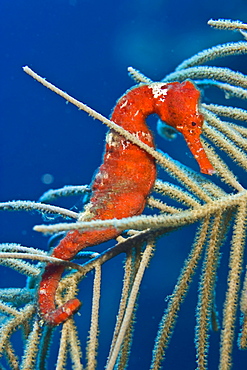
x=166, y=131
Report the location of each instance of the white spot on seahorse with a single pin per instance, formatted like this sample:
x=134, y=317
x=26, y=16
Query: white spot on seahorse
x=116, y=141
x=158, y=90
x=145, y=135
x=112, y=139
x=124, y=104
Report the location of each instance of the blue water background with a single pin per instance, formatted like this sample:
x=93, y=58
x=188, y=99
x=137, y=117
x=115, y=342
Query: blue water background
x=85, y=47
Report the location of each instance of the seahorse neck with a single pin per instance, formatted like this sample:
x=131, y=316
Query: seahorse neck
x=133, y=107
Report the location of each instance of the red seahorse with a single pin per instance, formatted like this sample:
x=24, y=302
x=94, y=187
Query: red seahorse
x=126, y=177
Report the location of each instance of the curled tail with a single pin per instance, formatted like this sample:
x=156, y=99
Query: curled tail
x=66, y=250
x=48, y=286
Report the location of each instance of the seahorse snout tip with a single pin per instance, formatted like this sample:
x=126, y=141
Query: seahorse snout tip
x=208, y=170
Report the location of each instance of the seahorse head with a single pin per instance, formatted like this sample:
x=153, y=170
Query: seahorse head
x=178, y=107
x=177, y=104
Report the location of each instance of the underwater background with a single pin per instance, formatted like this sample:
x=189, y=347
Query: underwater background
x=84, y=47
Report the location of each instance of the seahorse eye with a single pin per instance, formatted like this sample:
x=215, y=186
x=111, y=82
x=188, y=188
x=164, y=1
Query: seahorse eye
x=193, y=123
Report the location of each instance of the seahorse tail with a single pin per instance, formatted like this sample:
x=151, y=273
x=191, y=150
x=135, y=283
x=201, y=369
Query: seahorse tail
x=62, y=313
x=46, y=296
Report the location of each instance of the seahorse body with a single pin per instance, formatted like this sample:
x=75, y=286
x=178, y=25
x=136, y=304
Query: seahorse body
x=126, y=176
